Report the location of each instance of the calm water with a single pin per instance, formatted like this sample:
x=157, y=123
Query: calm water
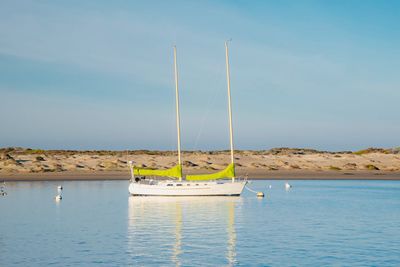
x=317, y=223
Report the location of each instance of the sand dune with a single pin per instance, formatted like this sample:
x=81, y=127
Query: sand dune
x=15, y=162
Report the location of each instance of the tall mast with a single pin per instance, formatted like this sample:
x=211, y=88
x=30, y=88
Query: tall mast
x=229, y=101
x=178, y=126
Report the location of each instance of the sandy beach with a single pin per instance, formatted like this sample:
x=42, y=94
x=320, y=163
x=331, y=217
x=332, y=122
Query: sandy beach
x=18, y=164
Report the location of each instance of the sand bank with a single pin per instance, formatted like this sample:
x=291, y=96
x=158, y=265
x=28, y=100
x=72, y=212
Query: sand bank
x=20, y=164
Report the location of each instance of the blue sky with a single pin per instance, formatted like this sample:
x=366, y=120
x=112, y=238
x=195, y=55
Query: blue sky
x=99, y=74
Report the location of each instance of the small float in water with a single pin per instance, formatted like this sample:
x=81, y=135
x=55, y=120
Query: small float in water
x=258, y=194
x=3, y=189
x=287, y=186
x=59, y=196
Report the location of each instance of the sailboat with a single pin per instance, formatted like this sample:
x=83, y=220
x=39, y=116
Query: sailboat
x=222, y=183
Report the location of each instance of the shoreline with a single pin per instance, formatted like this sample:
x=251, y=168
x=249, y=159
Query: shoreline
x=251, y=174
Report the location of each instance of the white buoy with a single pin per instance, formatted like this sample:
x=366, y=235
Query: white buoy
x=287, y=186
x=59, y=196
x=2, y=189
x=260, y=194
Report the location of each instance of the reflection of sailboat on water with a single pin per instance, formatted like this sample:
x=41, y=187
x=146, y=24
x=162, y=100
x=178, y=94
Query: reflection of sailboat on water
x=157, y=223
x=194, y=185
x=231, y=246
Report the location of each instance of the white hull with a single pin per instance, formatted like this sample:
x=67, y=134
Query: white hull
x=186, y=188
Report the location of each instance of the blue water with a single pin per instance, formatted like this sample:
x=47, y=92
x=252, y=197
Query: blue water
x=316, y=223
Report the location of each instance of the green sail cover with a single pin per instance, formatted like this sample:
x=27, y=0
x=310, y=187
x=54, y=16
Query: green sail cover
x=229, y=172
x=175, y=172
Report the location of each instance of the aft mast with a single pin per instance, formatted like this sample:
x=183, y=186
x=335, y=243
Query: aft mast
x=178, y=126
x=229, y=102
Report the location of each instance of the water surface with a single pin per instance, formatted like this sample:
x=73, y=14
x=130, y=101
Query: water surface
x=316, y=223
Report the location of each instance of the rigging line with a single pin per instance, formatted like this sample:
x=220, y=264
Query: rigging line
x=251, y=190
x=210, y=102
